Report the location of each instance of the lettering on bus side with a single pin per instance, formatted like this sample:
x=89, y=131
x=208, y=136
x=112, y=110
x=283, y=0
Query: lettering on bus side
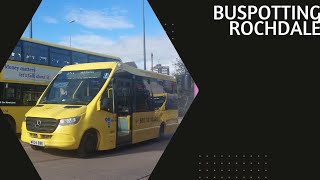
x=147, y=119
x=8, y=103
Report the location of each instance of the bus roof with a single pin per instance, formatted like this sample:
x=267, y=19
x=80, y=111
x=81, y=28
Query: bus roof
x=121, y=66
x=68, y=48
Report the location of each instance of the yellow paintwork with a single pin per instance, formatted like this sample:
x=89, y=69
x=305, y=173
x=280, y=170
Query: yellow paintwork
x=18, y=112
x=145, y=125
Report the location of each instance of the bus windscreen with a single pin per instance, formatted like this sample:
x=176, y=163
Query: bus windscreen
x=75, y=87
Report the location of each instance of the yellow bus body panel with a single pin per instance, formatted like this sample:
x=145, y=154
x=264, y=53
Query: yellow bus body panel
x=145, y=125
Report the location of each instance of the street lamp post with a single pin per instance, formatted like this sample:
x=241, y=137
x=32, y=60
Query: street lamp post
x=144, y=38
x=70, y=30
x=31, y=28
x=151, y=61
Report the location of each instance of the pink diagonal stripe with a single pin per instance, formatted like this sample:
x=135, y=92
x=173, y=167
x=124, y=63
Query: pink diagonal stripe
x=196, y=90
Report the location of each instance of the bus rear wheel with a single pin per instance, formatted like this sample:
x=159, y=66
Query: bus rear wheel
x=88, y=144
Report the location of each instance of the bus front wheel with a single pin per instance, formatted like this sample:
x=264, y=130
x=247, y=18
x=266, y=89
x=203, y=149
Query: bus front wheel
x=88, y=144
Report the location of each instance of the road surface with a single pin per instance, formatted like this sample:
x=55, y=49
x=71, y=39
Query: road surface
x=134, y=162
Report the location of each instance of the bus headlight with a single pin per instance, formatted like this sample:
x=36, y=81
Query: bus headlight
x=69, y=121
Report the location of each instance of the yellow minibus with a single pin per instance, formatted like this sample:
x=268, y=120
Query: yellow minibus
x=100, y=106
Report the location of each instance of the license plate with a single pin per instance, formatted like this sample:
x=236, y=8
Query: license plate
x=37, y=143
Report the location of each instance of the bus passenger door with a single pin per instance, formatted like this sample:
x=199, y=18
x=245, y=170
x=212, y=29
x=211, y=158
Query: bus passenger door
x=123, y=108
x=107, y=119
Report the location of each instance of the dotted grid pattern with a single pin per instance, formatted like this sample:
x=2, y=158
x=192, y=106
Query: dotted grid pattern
x=170, y=30
x=234, y=166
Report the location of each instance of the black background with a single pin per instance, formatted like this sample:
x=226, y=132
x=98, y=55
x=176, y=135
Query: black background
x=257, y=94
x=14, y=17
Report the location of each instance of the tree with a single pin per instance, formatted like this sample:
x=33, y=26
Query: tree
x=185, y=97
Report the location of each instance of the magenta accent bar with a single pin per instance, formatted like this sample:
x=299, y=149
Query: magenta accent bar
x=196, y=90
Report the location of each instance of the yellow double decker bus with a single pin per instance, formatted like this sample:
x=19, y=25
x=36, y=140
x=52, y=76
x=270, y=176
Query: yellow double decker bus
x=30, y=68
x=100, y=106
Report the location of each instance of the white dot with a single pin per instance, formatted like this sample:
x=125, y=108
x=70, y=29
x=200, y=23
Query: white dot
x=236, y=177
x=250, y=162
x=207, y=155
x=207, y=170
x=207, y=177
x=199, y=177
x=214, y=170
x=214, y=155
x=251, y=177
x=221, y=162
x=244, y=163
x=250, y=155
x=229, y=156
x=214, y=162
x=221, y=177
x=229, y=177
x=221, y=155
x=265, y=156
x=258, y=155
x=265, y=163
x=258, y=163
x=228, y=162
x=228, y=169
x=236, y=162
x=265, y=177
x=236, y=169
x=199, y=169
x=207, y=163
x=236, y=155
x=250, y=169
x=243, y=177
x=244, y=170
x=265, y=170
x=199, y=162
x=258, y=177
x=221, y=169
x=258, y=169
x=199, y=155
x=244, y=155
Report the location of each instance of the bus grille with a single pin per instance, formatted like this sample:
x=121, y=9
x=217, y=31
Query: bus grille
x=42, y=125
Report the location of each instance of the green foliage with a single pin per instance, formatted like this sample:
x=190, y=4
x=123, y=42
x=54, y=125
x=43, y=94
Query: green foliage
x=185, y=97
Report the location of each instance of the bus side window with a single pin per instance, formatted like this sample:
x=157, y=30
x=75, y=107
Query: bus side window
x=123, y=95
x=143, y=95
x=107, y=99
x=29, y=97
x=172, y=97
x=12, y=92
x=159, y=95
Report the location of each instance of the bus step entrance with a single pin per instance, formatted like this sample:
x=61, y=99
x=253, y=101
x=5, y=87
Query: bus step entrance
x=124, y=135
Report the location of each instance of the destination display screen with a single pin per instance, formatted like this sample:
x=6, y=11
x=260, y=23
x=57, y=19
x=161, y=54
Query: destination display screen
x=85, y=74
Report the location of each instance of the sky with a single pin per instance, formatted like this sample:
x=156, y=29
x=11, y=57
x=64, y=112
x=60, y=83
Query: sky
x=111, y=27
